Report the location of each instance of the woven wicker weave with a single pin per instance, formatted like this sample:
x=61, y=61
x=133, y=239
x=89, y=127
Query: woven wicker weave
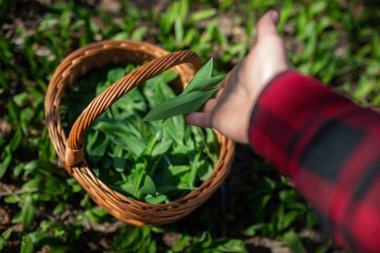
x=70, y=151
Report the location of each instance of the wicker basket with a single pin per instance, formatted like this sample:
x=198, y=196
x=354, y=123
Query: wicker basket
x=70, y=151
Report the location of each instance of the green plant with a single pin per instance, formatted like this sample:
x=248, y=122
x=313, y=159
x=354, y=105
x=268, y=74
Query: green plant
x=152, y=161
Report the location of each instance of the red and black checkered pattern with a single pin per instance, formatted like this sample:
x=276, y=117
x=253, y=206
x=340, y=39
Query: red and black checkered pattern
x=330, y=148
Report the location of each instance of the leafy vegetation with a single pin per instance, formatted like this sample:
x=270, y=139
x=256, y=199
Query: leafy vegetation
x=42, y=208
x=151, y=161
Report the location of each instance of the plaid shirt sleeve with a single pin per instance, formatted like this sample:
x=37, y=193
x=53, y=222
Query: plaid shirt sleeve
x=330, y=148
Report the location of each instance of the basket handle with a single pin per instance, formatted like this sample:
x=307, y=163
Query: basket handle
x=74, y=153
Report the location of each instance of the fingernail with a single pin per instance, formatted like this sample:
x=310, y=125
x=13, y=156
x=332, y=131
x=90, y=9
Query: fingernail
x=275, y=16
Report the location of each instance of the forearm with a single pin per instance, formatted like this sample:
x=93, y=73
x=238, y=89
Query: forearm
x=328, y=146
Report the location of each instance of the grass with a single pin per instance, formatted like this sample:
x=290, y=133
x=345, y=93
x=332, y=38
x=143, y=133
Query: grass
x=42, y=208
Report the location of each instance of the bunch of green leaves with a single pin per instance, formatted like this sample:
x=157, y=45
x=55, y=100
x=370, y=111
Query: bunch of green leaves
x=151, y=161
x=200, y=88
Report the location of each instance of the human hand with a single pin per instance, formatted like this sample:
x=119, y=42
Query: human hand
x=230, y=110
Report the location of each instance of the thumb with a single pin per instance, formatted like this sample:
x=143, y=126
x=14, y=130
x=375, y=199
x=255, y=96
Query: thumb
x=267, y=24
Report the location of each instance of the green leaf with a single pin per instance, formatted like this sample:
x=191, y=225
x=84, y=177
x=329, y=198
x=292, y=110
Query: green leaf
x=139, y=33
x=201, y=15
x=120, y=36
x=122, y=136
x=12, y=146
x=39, y=165
x=178, y=28
x=161, y=148
x=156, y=200
x=5, y=163
x=59, y=208
x=203, y=73
x=97, y=143
x=21, y=98
x=230, y=246
x=197, y=92
x=4, y=237
x=181, y=243
x=115, y=75
x=294, y=243
x=209, y=83
x=168, y=76
x=251, y=231
x=289, y=217
x=175, y=128
x=27, y=245
x=28, y=213
x=137, y=176
x=126, y=186
x=182, y=104
x=183, y=9
x=148, y=186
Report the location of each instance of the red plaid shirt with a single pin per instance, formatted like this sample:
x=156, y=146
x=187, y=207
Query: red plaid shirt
x=330, y=148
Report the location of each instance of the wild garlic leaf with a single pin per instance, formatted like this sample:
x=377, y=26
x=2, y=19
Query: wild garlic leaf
x=209, y=83
x=28, y=213
x=125, y=186
x=168, y=76
x=155, y=200
x=161, y=148
x=148, y=186
x=137, y=176
x=115, y=75
x=201, y=87
x=122, y=136
x=203, y=73
x=182, y=104
x=175, y=128
x=97, y=145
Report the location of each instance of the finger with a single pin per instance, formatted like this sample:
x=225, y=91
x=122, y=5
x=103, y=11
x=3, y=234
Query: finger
x=267, y=25
x=209, y=106
x=202, y=119
x=218, y=93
